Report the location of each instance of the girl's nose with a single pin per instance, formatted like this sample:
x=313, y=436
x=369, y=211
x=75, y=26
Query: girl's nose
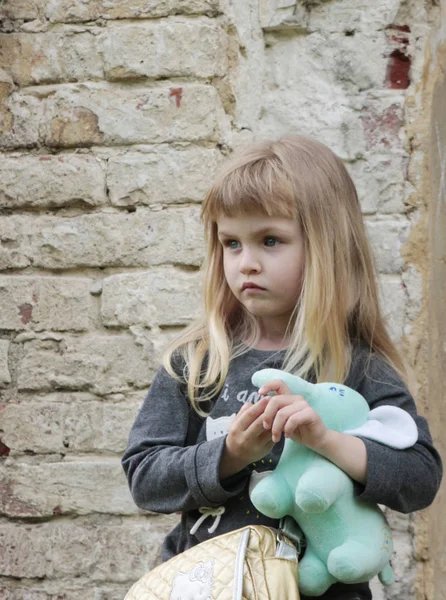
x=249, y=263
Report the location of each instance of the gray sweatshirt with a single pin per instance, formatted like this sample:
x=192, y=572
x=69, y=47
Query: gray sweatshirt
x=173, y=456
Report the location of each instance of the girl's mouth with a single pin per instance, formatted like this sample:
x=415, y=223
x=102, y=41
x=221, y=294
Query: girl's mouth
x=251, y=286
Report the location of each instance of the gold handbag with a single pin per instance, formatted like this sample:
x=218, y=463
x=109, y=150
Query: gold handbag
x=252, y=563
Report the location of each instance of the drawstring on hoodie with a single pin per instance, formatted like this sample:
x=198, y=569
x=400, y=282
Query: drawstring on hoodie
x=208, y=512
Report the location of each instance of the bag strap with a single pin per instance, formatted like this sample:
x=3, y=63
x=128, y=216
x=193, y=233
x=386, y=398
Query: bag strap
x=288, y=528
x=289, y=531
x=237, y=590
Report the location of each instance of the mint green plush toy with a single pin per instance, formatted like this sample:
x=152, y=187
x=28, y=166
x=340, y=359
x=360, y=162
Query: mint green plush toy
x=348, y=540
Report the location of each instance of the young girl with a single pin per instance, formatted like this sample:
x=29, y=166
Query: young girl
x=289, y=283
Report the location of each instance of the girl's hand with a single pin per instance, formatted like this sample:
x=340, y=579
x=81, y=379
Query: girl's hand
x=293, y=416
x=247, y=440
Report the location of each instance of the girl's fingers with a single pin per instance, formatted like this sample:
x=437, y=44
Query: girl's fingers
x=272, y=409
x=279, y=402
x=281, y=420
x=265, y=437
x=277, y=386
x=248, y=415
x=256, y=428
x=303, y=417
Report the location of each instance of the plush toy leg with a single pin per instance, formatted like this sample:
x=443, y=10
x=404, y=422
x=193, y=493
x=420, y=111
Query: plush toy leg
x=386, y=576
x=314, y=578
x=353, y=562
x=320, y=487
x=272, y=496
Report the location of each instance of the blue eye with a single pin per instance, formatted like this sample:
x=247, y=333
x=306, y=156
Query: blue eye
x=271, y=241
x=232, y=244
x=333, y=389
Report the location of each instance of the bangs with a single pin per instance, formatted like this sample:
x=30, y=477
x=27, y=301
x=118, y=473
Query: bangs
x=259, y=186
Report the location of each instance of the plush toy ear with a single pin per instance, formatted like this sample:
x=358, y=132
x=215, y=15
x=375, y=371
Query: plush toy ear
x=389, y=425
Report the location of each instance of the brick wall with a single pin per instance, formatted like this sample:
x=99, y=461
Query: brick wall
x=114, y=116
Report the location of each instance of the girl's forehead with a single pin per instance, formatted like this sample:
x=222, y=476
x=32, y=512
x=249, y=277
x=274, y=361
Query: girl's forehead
x=254, y=223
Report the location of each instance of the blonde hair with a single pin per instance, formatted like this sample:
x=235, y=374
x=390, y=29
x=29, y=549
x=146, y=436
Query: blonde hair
x=298, y=178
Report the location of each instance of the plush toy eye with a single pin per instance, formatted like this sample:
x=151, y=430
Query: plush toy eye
x=341, y=392
x=333, y=389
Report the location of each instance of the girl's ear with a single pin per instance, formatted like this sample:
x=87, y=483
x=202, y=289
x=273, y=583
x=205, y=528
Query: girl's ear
x=389, y=425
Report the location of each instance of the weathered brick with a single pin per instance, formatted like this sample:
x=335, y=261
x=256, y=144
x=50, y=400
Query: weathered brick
x=166, y=297
x=100, y=364
x=21, y=116
x=283, y=110
x=387, y=239
x=357, y=62
x=57, y=427
x=164, y=177
x=288, y=14
x=380, y=181
x=353, y=16
x=44, y=303
x=6, y=116
x=102, y=549
x=142, y=238
x=413, y=286
x=66, y=11
x=60, y=589
x=20, y=9
x=377, y=589
x=347, y=63
x=382, y=121
x=393, y=300
x=36, y=58
x=398, y=521
x=403, y=567
x=6, y=86
x=98, y=114
x=171, y=48
x=69, y=486
x=5, y=375
x=51, y=181
x=336, y=68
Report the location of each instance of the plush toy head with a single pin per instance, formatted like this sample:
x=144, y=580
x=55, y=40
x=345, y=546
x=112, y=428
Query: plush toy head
x=348, y=540
x=343, y=409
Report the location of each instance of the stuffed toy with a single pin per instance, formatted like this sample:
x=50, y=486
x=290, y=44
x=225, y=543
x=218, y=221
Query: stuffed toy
x=347, y=539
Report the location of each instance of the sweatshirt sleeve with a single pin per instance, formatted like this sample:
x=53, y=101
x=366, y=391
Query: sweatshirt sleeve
x=164, y=474
x=404, y=480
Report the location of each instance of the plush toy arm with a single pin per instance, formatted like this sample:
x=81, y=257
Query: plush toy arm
x=389, y=425
x=320, y=486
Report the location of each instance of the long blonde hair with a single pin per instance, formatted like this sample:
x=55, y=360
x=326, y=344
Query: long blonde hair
x=298, y=178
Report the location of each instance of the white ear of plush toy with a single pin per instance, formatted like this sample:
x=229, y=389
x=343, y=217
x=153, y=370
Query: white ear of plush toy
x=389, y=425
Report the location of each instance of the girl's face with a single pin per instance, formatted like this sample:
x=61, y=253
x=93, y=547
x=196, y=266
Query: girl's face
x=263, y=260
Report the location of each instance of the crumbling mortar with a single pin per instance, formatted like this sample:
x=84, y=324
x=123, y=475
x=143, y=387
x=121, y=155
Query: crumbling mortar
x=93, y=273
x=105, y=152
x=73, y=212
x=148, y=83
x=105, y=21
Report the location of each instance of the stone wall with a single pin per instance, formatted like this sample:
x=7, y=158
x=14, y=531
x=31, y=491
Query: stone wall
x=114, y=116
